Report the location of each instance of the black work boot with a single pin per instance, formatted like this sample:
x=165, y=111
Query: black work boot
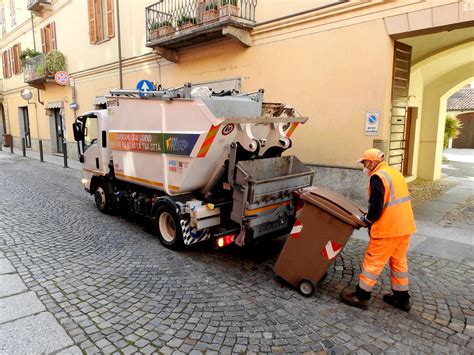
x=356, y=298
x=398, y=299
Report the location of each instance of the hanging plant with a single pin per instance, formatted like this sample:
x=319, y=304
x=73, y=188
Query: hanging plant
x=54, y=61
x=27, y=54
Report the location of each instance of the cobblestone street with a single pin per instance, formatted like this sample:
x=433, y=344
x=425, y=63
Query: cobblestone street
x=112, y=286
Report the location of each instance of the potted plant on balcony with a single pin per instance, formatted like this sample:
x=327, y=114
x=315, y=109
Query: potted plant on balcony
x=185, y=22
x=228, y=8
x=153, y=28
x=27, y=54
x=165, y=28
x=54, y=61
x=210, y=14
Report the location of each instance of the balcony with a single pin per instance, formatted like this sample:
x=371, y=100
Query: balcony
x=38, y=5
x=175, y=24
x=36, y=73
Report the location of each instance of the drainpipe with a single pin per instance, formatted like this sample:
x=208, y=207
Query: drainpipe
x=34, y=48
x=119, y=43
x=33, y=31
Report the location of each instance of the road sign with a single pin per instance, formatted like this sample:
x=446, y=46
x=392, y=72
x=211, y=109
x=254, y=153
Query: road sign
x=372, y=123
x=62, y=78
x=144, y=86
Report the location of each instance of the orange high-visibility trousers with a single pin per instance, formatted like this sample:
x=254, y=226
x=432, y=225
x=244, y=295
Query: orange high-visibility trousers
x=379, y=251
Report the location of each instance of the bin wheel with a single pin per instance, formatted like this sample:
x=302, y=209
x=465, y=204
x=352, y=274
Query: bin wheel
x=306, y=288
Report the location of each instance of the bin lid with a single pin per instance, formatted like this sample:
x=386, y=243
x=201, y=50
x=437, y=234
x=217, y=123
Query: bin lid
x=335, y=204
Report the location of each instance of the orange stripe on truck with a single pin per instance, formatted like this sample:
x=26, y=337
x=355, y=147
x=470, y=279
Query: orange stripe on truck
x=292, y=129
x=211, y=135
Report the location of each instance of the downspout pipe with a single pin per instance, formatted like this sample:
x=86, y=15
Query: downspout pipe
x=34, y=48
x=119, y=43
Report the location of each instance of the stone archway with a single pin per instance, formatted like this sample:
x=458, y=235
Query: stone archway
x=433, y=118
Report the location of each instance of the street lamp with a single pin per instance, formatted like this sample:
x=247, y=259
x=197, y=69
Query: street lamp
x=27, y=95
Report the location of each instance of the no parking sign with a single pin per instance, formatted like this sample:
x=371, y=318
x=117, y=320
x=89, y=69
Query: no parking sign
x=372, y=123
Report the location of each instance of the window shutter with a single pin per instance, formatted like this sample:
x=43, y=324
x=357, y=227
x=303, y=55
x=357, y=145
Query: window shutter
x=4, y=64
x=92, y=21
x=15, y=63
x=43, y=40
x=10, y=62
x=53, y=35
x=110, y=19
x=16, y=59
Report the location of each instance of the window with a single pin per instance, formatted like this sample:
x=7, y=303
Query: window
x=101, y=20
x=12, y=12
x=90, y=132
x=6, y=62
x=48, y=37
x=2, y=20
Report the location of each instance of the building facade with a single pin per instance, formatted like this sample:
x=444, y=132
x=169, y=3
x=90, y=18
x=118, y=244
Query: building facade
x=366, y=73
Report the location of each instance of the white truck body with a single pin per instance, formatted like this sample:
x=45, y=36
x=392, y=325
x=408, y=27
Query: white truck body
x=200, y=152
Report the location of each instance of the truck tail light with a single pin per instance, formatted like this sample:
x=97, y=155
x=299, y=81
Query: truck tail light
x=225, y=240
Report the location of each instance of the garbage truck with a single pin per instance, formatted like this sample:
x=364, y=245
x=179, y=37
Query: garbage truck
x=198, y=165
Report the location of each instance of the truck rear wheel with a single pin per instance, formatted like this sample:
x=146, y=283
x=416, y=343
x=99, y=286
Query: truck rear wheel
x=168, y=227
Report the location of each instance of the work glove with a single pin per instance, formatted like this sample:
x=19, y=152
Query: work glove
x=368, y=224
x=366, y=221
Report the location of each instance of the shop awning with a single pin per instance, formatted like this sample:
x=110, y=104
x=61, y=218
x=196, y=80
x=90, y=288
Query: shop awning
x=55, y=104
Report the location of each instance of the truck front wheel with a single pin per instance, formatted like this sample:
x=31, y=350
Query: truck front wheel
x=168, y=227
x=101, y=199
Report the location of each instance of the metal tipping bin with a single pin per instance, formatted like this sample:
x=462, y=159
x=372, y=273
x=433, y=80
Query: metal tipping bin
x=322, y=229
x=264, y=190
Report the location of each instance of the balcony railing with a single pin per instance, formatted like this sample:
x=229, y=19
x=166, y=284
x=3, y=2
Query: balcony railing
x=34, y=69
x=37, y=5
x=175, y=19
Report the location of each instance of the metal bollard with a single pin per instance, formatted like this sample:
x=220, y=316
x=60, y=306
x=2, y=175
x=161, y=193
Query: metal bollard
x=11, y=147
x=23, y=146
x=65, y=154
x=40, y=143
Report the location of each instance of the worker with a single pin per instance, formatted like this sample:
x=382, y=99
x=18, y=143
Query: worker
x=390, y=221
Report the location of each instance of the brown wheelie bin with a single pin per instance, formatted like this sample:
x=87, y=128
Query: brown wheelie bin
x=322, y=228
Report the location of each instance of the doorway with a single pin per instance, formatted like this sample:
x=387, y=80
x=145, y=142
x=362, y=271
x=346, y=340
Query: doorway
x=25, y=121
x=4, y=122
x=59, y=129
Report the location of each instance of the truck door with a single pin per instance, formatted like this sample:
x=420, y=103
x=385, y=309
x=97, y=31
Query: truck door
x=91, y=144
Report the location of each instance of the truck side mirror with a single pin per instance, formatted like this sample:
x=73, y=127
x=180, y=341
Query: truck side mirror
x=78, y=133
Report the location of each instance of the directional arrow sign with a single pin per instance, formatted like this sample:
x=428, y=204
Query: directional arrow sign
x=144, y=86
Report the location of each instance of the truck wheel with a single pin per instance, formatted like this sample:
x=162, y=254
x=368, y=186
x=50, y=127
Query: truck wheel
x=101, y=199
x=168, y=227
x=306, y=288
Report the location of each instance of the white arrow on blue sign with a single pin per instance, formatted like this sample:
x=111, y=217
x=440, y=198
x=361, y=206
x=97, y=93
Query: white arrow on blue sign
x=144, y=86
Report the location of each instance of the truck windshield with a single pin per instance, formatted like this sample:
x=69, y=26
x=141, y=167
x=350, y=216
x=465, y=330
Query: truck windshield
x=90, y=132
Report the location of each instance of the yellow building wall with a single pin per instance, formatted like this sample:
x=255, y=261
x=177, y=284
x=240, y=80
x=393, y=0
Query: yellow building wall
x=333, y=77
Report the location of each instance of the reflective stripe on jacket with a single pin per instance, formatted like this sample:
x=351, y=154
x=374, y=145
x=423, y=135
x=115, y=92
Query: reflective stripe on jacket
x=397, y=217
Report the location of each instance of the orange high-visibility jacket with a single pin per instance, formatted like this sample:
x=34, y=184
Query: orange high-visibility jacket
x=397, y=217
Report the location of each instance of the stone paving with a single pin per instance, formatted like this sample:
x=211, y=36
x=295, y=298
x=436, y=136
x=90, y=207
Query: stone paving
x=114, y=289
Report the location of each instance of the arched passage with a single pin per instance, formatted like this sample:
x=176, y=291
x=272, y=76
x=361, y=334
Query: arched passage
x=435, y=97
x=433, y=79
